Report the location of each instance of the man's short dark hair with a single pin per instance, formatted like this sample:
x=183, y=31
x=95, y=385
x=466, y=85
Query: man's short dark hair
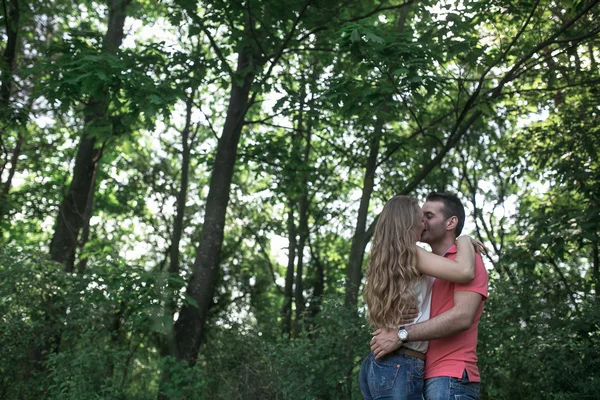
x=453, y=207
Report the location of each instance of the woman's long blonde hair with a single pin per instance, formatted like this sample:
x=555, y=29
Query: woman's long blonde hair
x=392, y=269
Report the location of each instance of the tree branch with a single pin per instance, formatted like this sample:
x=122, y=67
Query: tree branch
x=212, y=41
x=279, y=54
x=551, y=39
x=453, y=138
x=379, y=10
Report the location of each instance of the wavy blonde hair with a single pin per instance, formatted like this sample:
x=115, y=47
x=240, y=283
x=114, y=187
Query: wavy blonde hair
x=392, y=269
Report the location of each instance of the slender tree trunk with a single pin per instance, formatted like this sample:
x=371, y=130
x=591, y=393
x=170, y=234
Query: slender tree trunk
x=489, y=232
x=319, y=285
x=288, y=291
x=189, y=328
x=13, y=166
x=116, y=334
x=168, y=346
x=302, y=214
x=183, y=188
x=302, y=237
x=596, y=267
x=9, y=56
x=319, y=273
x=300, y=199
x=71, y=215
x=87, y=216
x=359, y=241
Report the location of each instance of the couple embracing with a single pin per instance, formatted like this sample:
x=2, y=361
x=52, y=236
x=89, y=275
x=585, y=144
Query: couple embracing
x=433, y=356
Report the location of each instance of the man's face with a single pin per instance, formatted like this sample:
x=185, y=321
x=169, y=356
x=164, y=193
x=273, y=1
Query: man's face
x=435, y=222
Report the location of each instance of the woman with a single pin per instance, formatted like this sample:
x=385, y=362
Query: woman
x=399, y=275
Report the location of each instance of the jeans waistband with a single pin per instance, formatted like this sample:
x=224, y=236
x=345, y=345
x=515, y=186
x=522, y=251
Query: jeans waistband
x=410, y=352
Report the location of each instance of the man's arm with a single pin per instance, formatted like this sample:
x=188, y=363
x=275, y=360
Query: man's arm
x=457, y=319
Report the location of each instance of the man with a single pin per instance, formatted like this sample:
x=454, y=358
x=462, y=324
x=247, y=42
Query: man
x=451, y=360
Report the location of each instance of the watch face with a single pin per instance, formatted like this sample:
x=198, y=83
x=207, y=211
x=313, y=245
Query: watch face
x=402, y=334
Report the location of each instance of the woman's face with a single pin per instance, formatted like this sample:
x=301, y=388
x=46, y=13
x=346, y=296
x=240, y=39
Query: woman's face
x=420, y=224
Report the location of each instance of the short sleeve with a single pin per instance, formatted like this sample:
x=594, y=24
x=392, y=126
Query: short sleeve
x=479, y=284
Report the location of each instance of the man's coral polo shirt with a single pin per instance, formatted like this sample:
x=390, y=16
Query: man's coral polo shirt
x=452, y=355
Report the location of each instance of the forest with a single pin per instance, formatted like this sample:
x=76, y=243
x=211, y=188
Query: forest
x=188, y=189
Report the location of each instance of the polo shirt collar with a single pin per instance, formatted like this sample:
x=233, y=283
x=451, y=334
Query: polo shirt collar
x=451, y=250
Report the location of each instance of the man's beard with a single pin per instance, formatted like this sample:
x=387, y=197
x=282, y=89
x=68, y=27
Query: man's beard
x=431, y=235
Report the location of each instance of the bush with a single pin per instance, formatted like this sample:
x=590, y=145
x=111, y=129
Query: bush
x=538, y=347
x=321, y=363
x=100, y=335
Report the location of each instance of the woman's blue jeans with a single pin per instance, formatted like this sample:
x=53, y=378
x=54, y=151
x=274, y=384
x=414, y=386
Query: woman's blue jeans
x=393, y=377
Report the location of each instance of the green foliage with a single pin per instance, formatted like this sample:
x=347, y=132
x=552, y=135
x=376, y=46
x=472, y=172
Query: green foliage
x=525, y=333
x=246, y=363
x=317, y=365
x=344, y=77
x=537, y=346
x=105, y=349
x=134, y=81
x=184, y=382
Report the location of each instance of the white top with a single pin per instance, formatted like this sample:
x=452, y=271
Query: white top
x=423, y=291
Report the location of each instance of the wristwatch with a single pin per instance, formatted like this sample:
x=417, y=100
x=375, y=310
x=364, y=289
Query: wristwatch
x=403, y=334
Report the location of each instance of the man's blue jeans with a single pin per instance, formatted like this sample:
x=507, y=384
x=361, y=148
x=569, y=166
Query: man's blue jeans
x=447, y=388
x=393, y=377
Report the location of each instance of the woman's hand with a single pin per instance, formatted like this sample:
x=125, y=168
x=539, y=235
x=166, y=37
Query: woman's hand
x=477, y=245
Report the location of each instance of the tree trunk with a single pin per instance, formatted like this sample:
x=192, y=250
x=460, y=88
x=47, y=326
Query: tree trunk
x=71, y=215
x=10, y=53
x=116, y=333
x=9, y=58
x=302, y=237
x=288, y=292
x=183, y=188
x=189, y=328
x=302, y=215
x=319, y=285
x=87, y=216
x=168, y=346
x=13, y=167
x=359, y=241
x=596, y=267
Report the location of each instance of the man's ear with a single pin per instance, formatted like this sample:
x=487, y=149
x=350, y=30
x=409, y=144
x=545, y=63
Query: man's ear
x=451, y=223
